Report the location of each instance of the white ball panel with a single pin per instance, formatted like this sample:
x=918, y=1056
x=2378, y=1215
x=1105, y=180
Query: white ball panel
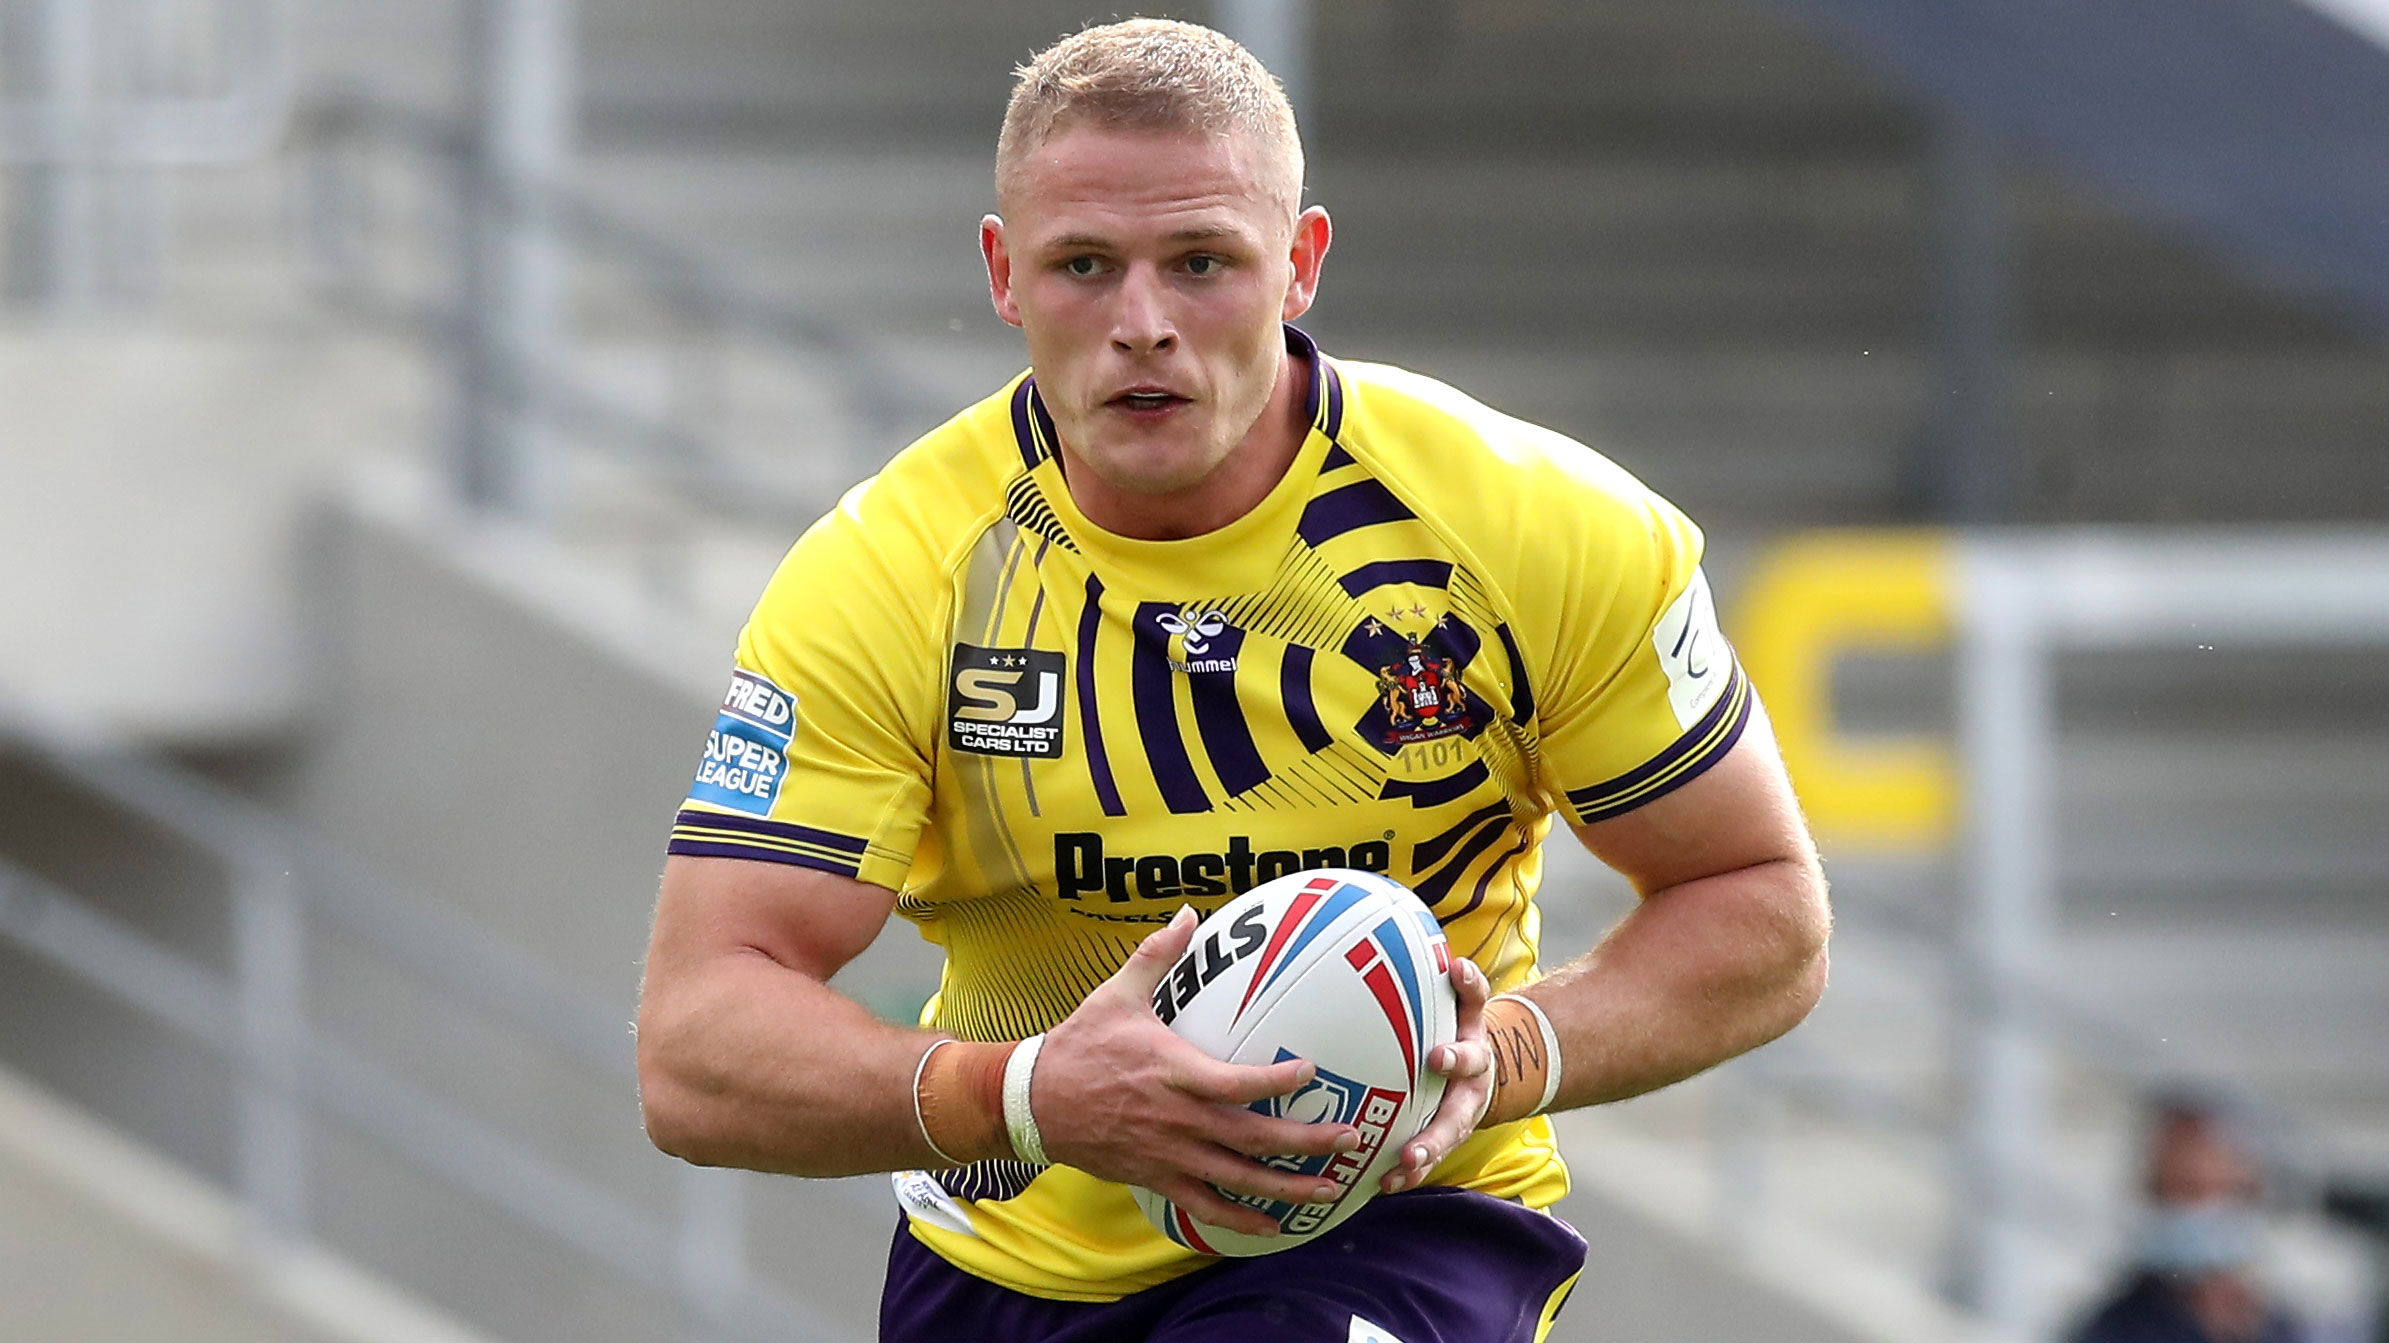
x=1342, y=999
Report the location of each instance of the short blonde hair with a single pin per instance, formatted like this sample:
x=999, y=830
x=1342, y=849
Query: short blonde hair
x=1150, y=75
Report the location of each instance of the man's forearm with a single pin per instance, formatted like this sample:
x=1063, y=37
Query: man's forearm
x=1695, y=975
x=757, y=1065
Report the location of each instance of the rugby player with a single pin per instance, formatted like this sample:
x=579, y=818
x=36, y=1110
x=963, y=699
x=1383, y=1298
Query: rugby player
x=1189, y=606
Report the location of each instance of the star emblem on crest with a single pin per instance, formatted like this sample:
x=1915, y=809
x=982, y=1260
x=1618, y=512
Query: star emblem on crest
x=1373, y=628
x=1421, y=612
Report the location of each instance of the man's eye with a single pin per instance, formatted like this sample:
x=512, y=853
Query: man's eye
x=1081, y=265
x=1202, y=265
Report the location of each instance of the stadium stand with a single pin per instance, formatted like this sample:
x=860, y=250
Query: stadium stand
x=1695, y=233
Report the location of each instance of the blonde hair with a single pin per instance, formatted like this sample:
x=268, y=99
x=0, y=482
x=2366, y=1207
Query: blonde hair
x=1151, y=75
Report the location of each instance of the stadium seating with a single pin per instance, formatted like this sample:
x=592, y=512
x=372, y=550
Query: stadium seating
x=1692, y=232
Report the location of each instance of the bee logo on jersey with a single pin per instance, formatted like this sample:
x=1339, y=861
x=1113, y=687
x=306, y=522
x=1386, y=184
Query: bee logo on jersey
x=1005, y=701
x=746, y=757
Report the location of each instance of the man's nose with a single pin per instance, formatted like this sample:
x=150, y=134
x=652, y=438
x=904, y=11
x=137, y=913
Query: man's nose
x=1141, y=321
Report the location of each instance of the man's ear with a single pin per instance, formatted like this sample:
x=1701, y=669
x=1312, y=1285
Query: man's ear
x=1312, y=233
x=999, y=268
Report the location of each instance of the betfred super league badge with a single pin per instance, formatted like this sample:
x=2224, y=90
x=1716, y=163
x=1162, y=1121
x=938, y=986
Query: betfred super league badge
x=746, y=757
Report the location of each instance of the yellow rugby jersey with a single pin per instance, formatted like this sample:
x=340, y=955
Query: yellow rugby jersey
x=1439, y=628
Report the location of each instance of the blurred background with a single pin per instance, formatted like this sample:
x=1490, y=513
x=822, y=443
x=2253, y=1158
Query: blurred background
x=400, y=405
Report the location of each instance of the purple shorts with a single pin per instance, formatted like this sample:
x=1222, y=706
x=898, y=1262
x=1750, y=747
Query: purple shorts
x=1430, y=1265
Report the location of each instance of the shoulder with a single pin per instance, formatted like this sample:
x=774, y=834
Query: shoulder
x=1483, y=472
x=2140, y=1310
x=895, y=535
x=1531, y=507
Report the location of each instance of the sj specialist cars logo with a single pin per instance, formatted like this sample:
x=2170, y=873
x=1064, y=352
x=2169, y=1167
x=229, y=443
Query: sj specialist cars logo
x=1005, y=701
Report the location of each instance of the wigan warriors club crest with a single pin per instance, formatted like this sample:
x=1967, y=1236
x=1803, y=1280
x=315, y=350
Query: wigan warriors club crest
x=1422, y=698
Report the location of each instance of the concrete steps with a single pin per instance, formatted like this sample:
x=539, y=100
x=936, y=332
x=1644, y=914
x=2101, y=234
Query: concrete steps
x=102, y=1239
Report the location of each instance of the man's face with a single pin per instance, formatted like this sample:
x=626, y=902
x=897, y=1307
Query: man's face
x=1150, y=272
x=2196, y=1163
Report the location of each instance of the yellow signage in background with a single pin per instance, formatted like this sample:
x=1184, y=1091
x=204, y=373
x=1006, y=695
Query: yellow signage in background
x=1812, y=600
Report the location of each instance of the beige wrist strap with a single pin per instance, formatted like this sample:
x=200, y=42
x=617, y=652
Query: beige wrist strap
x=1526, y=1060
x=958, y=1100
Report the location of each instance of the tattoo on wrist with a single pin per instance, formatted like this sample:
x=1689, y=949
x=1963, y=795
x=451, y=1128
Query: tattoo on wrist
x=1525, y=1059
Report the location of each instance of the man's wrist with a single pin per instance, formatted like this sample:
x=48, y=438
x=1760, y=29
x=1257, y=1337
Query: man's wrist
x=1526, y=1060
x=958, y=1099
x=1020, y=1122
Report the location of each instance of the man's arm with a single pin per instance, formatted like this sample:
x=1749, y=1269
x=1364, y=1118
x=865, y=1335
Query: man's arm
x=1725, y=952
x=1727, y=949
x=748, y=1058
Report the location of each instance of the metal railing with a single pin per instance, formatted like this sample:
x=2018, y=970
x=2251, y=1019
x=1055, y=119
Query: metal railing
x=98, y=98
x=112, y=82
x=389, y=202
x=288, y=1071
x=1983, y=1125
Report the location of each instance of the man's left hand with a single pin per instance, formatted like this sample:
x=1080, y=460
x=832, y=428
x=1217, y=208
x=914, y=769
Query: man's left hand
x=1467, y=1068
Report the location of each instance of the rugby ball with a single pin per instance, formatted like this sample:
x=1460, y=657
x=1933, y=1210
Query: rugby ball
x=1348, y=970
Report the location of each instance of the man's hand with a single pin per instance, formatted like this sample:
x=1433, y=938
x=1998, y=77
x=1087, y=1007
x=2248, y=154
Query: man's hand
x=1119, y=1096
x=1467, y=1068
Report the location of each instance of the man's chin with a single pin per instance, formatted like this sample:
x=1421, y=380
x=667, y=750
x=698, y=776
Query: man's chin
x=1152, y=469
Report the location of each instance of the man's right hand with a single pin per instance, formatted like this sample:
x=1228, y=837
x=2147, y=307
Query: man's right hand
x=1119, y=1096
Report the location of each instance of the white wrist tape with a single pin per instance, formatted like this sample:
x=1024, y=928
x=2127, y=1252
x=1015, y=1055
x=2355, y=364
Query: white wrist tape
x=1027, y=1143
x=1550, y=1049
x=923, y=1124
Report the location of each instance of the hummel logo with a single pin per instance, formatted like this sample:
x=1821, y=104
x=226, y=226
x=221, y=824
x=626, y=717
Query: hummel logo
x=1199, y=632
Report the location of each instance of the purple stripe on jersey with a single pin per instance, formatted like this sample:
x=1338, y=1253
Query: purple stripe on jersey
x=1157, y=712
x=1336, y=456
x=1425, y=573
x=1294, y=691
x=1099, y=765
x=1361, y=504
x=1710, y=738
x=1522, y=695
x=1429, y=852
x=1022, y=395
x=702, y=848
x=1046, y=433
x=1434, y=888
x=1435, y=792
x=1300, y=345
x=996, y=1180
x=1457, y=640
x=1485, y=882
x=753, y=825
x=1219, y=716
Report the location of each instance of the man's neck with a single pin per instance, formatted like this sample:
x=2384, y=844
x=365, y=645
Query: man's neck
x=1234, y=488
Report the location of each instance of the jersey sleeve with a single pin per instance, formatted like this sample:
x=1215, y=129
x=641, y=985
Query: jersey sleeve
x=1643, y=694
x=819, y=756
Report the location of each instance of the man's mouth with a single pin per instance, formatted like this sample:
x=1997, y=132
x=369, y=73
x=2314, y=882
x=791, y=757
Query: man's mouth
x=1147, y=400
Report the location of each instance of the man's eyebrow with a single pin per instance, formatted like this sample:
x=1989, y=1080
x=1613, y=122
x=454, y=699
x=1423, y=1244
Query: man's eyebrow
x=1089, y=241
